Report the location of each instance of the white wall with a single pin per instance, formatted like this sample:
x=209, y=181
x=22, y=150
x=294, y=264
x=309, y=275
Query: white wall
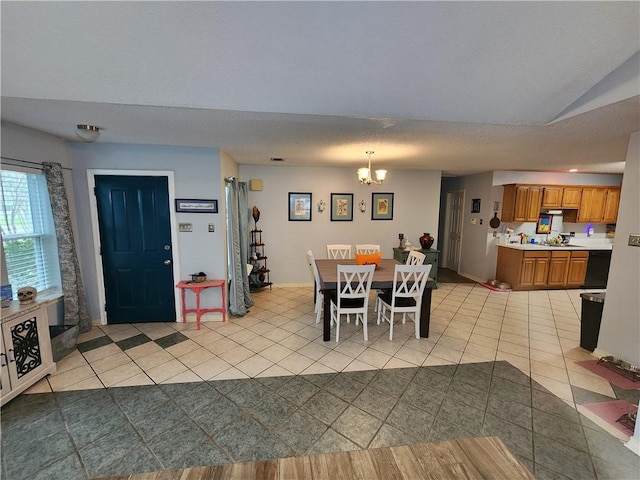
x=476, y=259
x=416, y=210
x=197, y=174
x=620, y=328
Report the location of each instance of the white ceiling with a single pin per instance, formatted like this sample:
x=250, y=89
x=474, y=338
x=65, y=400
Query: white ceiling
x=454, y=86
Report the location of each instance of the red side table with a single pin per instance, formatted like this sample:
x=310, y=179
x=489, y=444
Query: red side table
x=197, y=288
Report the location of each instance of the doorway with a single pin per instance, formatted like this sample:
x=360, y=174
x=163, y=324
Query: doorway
x=453, y=230
x=134, y=218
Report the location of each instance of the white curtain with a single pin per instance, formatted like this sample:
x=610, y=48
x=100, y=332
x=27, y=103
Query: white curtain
x=238, y=244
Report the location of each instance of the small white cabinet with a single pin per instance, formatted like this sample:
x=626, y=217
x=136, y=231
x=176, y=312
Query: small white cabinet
x=25, y=349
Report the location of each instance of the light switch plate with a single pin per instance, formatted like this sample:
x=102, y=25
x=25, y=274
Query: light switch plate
x=185, y=227
x=634, y=239
x=474, y=221
x=212, y=227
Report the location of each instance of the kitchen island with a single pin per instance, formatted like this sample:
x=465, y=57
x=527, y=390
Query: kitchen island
x=541, y=267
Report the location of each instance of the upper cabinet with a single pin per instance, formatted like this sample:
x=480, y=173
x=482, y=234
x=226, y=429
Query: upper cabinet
x=552, y=197
x=521, y=203
x=585, y=204
x=592, y=204
x=571, y=197
x=611, y=204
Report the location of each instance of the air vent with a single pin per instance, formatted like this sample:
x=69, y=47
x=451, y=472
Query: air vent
x=277, y=159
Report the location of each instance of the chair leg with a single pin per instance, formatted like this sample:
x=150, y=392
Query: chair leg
x=364, y=327
x=391, y=318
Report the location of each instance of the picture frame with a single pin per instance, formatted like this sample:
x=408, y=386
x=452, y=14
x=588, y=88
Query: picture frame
x=299, y=206
x=342, y=207
x=196, y=205
x=544, y=224
x=382, y=206
x=475, y=205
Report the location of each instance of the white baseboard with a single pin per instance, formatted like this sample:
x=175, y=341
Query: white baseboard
x=634, y=445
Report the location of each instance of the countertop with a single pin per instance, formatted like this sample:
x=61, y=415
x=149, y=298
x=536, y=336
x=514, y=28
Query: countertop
x=586, y=245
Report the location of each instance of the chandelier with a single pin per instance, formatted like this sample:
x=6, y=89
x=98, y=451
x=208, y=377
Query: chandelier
x=364, y=174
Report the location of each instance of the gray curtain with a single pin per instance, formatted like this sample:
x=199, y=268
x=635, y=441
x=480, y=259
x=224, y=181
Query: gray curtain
x=238, y=241
x=75, y=301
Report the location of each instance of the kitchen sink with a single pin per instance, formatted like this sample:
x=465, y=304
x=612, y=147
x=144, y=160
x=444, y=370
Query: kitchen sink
x=562, y=245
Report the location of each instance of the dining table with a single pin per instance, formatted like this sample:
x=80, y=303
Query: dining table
x=383, y=277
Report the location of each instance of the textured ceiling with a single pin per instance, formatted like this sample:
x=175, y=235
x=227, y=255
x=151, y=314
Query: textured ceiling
x=453, y=86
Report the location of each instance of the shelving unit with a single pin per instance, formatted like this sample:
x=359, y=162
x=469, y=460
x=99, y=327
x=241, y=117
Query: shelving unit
x=259, y=277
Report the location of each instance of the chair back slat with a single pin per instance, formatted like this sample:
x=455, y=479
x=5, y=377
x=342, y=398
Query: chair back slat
x=410, y=280
x=354, y=282
x=338, y=251
x=415, y=258
x=367, y=248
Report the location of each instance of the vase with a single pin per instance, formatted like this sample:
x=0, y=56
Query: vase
x=426, y=241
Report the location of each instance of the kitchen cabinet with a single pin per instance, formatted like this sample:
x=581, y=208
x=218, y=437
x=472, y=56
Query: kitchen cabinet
x=571, y=197
x=592, y=204
x=523, y=269
x=521, y=203
x=558, y=269
x=430, y=258
x=535, y=267
x=25, y=349
x=611, y=204
x=577, y=269
x=540, y=269
x=552, y=197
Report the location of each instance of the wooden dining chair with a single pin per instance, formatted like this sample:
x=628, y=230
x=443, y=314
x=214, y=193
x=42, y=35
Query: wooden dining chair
x=337, y=250
x=367, y=248
x=352, y=295
x=415, y=258
x=316, y=279
x=406, y=296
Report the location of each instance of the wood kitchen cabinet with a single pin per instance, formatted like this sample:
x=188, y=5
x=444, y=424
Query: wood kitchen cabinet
x=611, y=204
x=552, y=197
x=577, y=269
x=571, y=197
x=558, y=268
x=592, y=204
x=521, y=203
x=538, y=269
x=523, y=269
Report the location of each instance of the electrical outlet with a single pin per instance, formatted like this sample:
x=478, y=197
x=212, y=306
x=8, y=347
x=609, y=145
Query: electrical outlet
x=185, y=227
x=634, y=239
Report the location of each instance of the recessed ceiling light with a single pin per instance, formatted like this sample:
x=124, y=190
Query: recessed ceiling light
x=276, y=159
x=573, y=170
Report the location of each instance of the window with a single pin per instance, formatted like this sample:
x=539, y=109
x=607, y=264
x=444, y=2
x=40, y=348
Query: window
x=28, y=233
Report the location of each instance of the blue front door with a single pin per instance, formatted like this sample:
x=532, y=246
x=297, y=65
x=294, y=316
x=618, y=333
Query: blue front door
x=137, y=255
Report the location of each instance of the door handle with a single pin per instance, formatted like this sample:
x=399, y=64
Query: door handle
x=167, y=247
x=167, y=262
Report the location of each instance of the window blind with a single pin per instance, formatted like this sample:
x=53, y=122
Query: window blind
x=28, y=233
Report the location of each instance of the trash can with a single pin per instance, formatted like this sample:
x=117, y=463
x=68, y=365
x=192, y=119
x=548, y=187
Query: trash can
x=592, y=306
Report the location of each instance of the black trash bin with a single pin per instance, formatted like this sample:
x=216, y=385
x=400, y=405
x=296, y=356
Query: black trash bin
x=592, y=306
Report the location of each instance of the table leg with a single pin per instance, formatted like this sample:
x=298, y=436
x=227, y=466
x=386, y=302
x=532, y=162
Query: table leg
x=425, y=312
x=184, y=313
x=198, y=312
x=326, y=322
x=224, y=301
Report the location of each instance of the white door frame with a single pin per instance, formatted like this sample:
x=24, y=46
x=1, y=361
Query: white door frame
x=95, y=229
x=447, y=229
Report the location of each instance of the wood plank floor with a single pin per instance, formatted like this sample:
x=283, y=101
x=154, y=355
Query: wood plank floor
x=472, y=458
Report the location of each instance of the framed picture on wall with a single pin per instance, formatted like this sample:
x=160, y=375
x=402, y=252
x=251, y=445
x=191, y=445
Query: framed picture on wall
x=382, y=206
x=299, y=207
x=342, y=207
x=544, y=224
x=475, y=205
x=196, y=206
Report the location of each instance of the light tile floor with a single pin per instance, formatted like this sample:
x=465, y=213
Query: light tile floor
x=538, y=332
